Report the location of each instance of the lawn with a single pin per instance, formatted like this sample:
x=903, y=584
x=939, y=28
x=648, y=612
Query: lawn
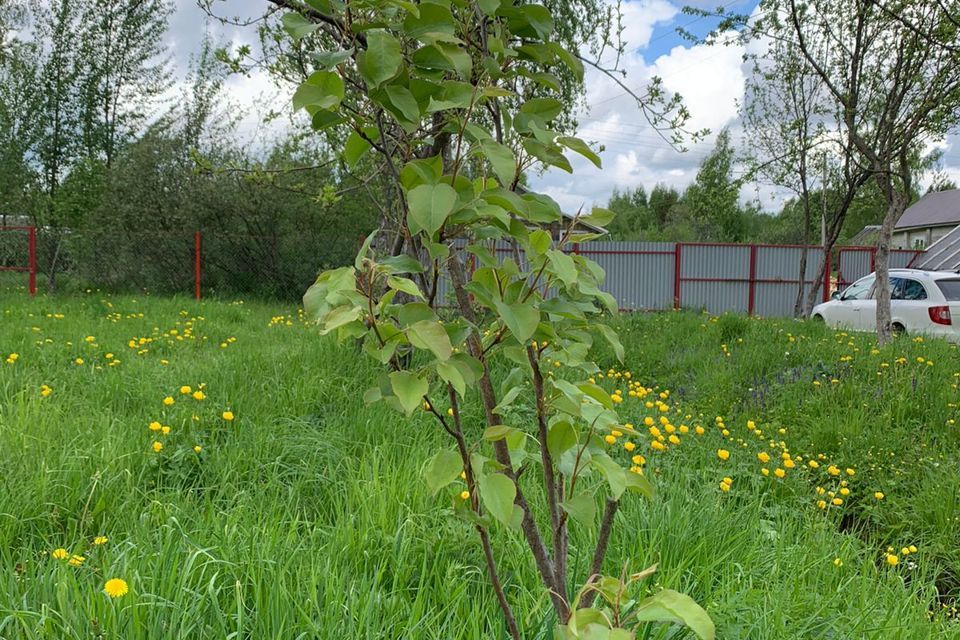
x=277, y=505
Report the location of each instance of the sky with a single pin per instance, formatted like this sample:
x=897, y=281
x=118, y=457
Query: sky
x=710, y=79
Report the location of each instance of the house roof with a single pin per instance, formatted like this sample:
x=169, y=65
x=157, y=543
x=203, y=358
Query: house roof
x=937, y=209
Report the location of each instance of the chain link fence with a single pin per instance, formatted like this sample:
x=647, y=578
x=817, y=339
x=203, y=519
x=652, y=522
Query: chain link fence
x=199, y=264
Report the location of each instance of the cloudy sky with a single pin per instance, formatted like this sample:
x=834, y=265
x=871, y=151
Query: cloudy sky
x=710, y=79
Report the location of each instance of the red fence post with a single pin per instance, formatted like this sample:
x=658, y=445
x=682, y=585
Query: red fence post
x=676, y=275
x=753, y=280
x=196, y=264
x=32, y=260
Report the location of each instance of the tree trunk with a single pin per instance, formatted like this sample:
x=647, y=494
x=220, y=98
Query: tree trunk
x=818, y=281
x=895, y=208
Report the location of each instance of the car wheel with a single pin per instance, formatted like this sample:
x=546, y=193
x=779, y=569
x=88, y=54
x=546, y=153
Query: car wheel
x=898, y=330
x=818, y=318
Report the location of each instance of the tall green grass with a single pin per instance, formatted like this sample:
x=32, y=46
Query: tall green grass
x=306, y=516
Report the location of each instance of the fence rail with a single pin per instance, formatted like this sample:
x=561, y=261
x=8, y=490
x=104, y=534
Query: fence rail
x=756, y=279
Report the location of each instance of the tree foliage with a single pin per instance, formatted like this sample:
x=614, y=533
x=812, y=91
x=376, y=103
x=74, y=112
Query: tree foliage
x=438, y=93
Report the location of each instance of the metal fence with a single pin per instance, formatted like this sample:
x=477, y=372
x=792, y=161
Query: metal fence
x=756, y=279
x=855, y=262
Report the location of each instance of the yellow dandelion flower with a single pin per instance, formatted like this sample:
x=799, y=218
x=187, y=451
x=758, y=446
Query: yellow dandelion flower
x=892, y=560
x=629, y=446
x=913, y=548
x=227, y=415
x=673, y=439
x=185, y=390
x=78, y=361
x=168, y=400
x=878, y=495
x=837, y=502
x=100, y=540
x=723, y=454
x=464, y=495
x=76, y=561
x=115, y=588
x=199, y=395
x=837, y=562
x=59, y=554
x=157, y=446
x=780, y=473
x=763, y=457
x=165, y=430
x=197, y=449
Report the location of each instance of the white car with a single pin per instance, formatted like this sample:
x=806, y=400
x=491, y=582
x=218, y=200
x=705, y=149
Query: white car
x=921, y=302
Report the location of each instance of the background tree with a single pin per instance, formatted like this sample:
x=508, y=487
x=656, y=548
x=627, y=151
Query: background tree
x=891, y=71
x=713, y=197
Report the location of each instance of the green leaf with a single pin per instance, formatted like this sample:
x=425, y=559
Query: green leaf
x=638, y=483
x=561, y=437
x=402, y=264
x=671, y=606
x=330, y=59
x=611, y=336
x=507, y=398
x=568, y=59
x=563, y=266
x=521, y=318
x=339, y=317
x=599, y=217
x=297, y=26
x=449, y=372
x=409, y=388
x=497, y=432
x=433, y=18
x=498, y=493
x=502, y=159
x=545, y=109
x=429, y=334
x=582, y=508
x=615, y=474
x=581, y=147
x=382, y=58
x=540, y=241
x=404, y=102
x=442, y=469
x=406, y=285
x=364, y=248
x=430, y=205
x=458, y=58
x=322, y=90
x=595, y=392
x=354, y=149
x=489, y=7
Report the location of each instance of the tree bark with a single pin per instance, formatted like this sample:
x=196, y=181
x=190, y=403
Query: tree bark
x=895, y=209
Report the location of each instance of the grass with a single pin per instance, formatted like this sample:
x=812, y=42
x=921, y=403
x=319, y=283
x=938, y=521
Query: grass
x=306, y=516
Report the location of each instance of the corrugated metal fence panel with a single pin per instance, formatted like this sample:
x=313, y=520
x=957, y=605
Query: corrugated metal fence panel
x=901, y=259
x=854, y=264
x=638, y=274
x=777, y=273
x=715, y=278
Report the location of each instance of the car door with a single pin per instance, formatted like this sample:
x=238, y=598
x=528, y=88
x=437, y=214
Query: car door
x=909, y=305
x=846, y=312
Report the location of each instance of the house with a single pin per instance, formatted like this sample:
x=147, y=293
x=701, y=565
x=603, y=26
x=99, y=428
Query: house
x=927, y=220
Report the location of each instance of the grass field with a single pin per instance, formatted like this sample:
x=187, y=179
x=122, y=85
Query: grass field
x=305, y=516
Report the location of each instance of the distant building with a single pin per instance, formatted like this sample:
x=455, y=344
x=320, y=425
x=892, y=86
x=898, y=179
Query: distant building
x=927, y=220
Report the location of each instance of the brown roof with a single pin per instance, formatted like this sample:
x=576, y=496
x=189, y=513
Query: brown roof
x=937, y=209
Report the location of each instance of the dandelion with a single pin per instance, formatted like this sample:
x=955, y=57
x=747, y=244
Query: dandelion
x=609, y=439
x=78, y=361
x=186, y=390
x=59, y=554
x=724, y=487
x=464, y=495
x=227, y=415
x=197, y=449
x=878, y=495
x=45, y=390
x=168, y=400
x=837, y=562
x=780, y=473
x=765, y=471
x=157, y=446
x=674, y=439
x=76, y=561
x=832, y=470
x=913, y=548
x=892, y=560
x=155, y=426
x=657, y=446
x=844, y=491
x=837, y=502
x=723, y=454
x=629, y=446
x=905, y=551
x=821, y=504
x=99, y=541
x=115, y=588
x=763, y=457
x=638, y=460
x=200, y=395
x=813, y=464
x=165, y=430
x=699, y=430
x=850, y=472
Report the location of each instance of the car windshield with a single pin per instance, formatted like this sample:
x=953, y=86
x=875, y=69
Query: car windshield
x=858, y=290
x=950, y=289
